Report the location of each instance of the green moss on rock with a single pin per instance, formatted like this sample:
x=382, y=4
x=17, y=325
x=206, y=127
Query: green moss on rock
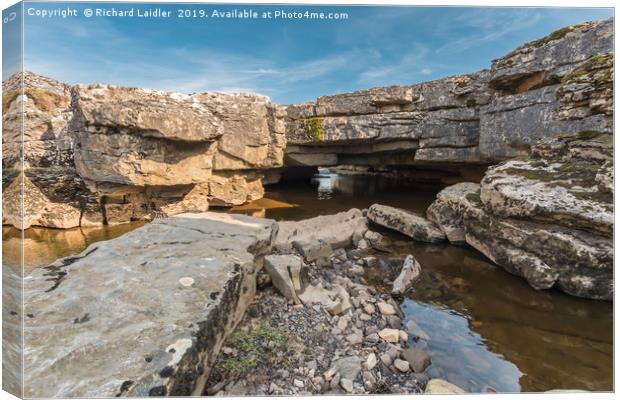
x=555, y=35
x=597, y=67
x=583, y=135
x=313, y=128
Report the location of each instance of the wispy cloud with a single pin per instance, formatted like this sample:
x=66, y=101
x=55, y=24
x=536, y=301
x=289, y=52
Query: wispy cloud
x=288, y=61
x=486, y=26
x=406, y=70
x=219, y=71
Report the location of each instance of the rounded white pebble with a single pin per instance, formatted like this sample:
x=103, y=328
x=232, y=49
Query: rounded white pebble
x=186, y=281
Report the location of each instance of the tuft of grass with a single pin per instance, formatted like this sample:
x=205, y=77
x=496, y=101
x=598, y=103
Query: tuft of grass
x=260, y=346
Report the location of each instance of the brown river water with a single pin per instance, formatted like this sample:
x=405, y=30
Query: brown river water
x=486, y=328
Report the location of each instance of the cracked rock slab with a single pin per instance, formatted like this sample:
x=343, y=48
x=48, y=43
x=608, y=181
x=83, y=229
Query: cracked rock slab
x=145, y=313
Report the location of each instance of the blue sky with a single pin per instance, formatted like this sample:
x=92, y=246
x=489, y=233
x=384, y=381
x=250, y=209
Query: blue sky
x=291, y=61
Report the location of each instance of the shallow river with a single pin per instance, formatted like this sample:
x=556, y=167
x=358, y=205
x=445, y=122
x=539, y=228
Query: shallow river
x=486, y=328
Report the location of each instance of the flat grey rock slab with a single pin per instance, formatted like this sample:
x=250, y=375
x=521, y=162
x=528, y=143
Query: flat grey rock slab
x=334, y=231
x=145, y=313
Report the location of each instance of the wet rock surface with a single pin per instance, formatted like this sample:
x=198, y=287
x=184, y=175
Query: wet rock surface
x=407, y=276
x=151, y=307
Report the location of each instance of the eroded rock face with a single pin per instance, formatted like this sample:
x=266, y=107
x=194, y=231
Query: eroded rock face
x=154, y=324
x=53, y=193
x=560, y=84
x=432, y=120
x=546, y=218
x=551, y=56
x=100, y=154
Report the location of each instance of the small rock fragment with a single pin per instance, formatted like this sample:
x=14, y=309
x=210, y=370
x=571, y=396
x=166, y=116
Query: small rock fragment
x=371, y=361
x=385, y=308
x=401, y=365
x=408, y=274
x=417, y=358
x=439, y=386
x=386, y=359
x=389, y=335
x=355, y=338
x=346, y=384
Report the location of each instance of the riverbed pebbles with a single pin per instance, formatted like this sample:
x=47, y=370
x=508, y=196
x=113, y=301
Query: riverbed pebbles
x=356, y=351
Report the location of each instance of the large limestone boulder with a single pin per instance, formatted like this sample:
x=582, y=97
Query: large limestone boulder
x=148, y=138
x=559, y=193
x=143, y=314
x=545, y=218
x=134, y=160
x=440, y=386
x=406, y=222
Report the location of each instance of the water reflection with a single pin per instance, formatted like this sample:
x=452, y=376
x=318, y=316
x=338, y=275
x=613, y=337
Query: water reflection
x=327, y=184
x=42, y=246
x=330, y=193
x=458, y=353
x=488, y=328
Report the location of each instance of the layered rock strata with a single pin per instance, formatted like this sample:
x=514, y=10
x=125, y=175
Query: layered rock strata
x=98, y=154
x=534, y=92
x=544, y=217
x=153, y=324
